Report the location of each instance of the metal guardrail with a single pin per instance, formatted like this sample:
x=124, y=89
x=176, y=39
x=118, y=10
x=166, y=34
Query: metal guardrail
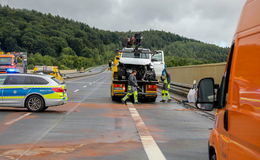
x=181, y=89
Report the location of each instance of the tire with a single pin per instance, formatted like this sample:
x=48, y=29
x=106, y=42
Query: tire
x=152, y=99
x=213, y=157
x=44, y=109
x=115, y=99
x=35, y=103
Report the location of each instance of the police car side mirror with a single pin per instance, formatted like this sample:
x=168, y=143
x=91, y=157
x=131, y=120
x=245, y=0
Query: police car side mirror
x=206, y=94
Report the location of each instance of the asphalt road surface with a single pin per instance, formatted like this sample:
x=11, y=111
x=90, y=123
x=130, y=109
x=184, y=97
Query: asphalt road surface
x=92, y=127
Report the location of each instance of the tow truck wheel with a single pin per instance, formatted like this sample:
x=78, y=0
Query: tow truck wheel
x=35, y=103
x=152, y=99
x=114, y=98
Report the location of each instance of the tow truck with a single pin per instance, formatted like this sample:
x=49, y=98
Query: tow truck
x=13, y=62
x=50, y=70
x=139, y=59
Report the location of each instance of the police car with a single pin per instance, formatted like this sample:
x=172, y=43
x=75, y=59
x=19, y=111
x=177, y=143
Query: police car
x=32, y=91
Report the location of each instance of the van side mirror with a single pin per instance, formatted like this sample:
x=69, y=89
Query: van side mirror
x=206, y=94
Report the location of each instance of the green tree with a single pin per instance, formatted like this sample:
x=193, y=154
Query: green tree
x=68, y=51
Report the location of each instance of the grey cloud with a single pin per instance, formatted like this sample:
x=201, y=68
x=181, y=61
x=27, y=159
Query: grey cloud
x=212, y=21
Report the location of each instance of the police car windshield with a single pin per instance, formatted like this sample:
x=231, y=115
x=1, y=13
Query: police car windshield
x=5, y=61
x=136, y=55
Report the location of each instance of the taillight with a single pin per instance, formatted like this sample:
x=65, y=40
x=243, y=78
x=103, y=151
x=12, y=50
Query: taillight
x=119, y=86
x=151, y=87
x=58, y=90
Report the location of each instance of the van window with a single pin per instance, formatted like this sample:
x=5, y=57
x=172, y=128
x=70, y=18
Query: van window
x=18, y=80
x=223, y=89
x=39, y=80
x=2, y=79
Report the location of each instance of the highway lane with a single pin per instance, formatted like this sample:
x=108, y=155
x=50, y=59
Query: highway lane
x=91, y=126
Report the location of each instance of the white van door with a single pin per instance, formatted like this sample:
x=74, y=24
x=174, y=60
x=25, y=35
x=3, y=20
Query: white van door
x=158, y=63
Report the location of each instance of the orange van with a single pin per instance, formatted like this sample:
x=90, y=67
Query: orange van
x=236, y=132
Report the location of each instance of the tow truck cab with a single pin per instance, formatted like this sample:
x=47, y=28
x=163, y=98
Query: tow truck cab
x=236, y=133
x=158, y=63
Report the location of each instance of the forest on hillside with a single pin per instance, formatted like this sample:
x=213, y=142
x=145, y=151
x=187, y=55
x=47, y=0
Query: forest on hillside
x=53, y=40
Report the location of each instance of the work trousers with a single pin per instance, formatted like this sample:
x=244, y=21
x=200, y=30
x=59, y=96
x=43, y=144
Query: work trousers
x=131, y=91
x=165, y=92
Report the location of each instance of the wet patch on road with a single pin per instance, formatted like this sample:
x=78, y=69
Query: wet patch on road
x=103, y=106
x=117, y=114
x=67, y=151
x=7, y=118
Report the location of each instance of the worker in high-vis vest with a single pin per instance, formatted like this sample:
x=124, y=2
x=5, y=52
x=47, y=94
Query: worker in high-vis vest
x=132, y=88
x=166, y=79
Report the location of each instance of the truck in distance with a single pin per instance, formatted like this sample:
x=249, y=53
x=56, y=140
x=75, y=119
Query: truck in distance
x=140, y=60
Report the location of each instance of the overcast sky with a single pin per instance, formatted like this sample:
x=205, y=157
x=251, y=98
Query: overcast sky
x=211, y=21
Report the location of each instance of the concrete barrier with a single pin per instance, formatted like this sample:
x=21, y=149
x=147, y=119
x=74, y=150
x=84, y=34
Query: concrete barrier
x=186, y=74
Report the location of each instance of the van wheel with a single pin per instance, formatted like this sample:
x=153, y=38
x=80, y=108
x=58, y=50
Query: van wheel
x=35, y=103
x=213, y=157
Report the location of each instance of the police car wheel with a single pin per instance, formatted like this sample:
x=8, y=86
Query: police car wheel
x=44, y=108
x=35, y=103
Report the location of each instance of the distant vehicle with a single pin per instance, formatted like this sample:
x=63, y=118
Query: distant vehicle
x=236, y=134
x=34, y=92
x=13, y=62
x=50, y=70
x=131, y=59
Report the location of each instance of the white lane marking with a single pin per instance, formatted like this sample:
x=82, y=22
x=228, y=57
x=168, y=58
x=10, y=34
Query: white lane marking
x=17, y=119
x=152, y=150
x=57, y=123
x=76, y=90
x=98, y=80
x=85, y=86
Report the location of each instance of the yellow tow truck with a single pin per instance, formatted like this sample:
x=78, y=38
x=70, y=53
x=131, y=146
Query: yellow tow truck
x=115, y=63
x=145, y=78
x=50, y=70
